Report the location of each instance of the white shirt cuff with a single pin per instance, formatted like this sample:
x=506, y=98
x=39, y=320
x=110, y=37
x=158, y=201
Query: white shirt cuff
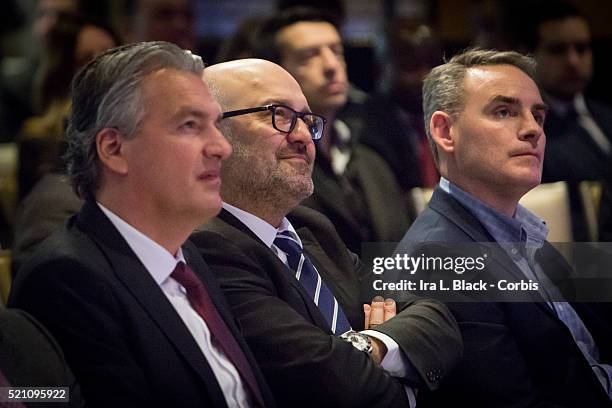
x=394, y=362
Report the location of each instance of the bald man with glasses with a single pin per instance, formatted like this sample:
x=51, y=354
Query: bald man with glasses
x=290, y=281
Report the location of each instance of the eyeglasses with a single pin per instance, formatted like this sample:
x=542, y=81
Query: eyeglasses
x=284, y=119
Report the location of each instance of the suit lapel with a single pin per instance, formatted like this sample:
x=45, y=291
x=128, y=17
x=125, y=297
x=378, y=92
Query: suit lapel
x=137, y=280
x=329, y=193
x=500, y=264
x=315, y=316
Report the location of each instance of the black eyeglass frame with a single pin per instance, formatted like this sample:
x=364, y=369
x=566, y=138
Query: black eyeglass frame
x=272, y=108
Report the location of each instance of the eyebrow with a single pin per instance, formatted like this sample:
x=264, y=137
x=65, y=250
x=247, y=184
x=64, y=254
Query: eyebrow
x=515, y=101
x=189, y=111
x=285, y=102
x=317, y=46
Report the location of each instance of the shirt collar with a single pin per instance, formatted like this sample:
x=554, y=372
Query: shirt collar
x=156, y=259
x=524, y=226
x=562, y=107
x=264, y=231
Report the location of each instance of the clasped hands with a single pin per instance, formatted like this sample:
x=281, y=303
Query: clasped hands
x=378, y=312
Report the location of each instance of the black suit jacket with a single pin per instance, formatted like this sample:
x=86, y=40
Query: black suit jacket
x=365, y=204
x=30, y=357
x=126, y=343
x=516, y=354
x=393, y=135
x=303, y=362
x=573, y=156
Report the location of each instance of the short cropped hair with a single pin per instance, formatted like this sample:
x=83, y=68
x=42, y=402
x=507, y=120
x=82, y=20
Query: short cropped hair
x=106, y=93
x=266, y=45
x=443, y=86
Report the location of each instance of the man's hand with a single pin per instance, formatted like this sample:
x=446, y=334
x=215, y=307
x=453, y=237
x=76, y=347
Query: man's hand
x=379, y=350
x=378, y=312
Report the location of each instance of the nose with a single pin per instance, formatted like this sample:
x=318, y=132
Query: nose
x=218, y=147
x=331, y=61
x=300, y=133
x=530, y=129
x=573, y=56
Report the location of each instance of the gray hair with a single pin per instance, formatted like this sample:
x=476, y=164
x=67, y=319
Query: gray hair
x=443, y=86
x=106, y=93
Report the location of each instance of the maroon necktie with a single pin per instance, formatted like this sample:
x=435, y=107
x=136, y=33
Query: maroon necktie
x=200, y=301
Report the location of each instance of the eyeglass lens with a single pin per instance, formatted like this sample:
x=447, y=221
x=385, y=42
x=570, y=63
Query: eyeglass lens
x=285, y=118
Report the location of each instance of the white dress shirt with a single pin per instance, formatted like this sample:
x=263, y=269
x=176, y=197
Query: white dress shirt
x=394, y=361
x=160, y=264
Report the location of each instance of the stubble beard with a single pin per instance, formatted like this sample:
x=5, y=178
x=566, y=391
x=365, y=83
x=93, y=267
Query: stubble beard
x=247, y=179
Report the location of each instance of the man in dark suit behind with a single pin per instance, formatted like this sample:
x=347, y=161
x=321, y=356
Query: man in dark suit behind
x=485, y=118
x=578, y=128
x=354, y=186
x=142, y=321
x=294, y=335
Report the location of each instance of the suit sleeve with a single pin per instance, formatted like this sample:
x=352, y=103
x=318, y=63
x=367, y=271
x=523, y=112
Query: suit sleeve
x=429, y=337
x=304, y=365
x=83, y=315
x=493, y=367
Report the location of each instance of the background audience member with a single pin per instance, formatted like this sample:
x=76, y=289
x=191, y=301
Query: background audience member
x=17, y=73
x=354, y=186
x=578, y=129
x=393, y=116
x=160, y=20
x=241, y=43
x=43, y=211
x=68, y=45
x=11, y=18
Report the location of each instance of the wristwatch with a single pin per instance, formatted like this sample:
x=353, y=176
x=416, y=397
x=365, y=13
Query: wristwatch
x=360, y=341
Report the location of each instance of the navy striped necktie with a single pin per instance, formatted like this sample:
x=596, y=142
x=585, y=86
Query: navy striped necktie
x=311, y=281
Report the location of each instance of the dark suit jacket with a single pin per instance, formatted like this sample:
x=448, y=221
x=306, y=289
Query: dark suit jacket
x=126, y=343
x=43, y=211
x=573, y=156
x=303, y=362
x=368, y=183
x=515, y=354
x=393, y=135
x=29, y=357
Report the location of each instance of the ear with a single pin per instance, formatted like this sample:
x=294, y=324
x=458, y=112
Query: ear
x=440, y=129
x=109, y=143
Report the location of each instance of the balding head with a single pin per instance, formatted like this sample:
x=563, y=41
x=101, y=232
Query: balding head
x=243, y=83
x=270, y=170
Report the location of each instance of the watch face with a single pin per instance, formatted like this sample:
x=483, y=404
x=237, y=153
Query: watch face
x=360, y=341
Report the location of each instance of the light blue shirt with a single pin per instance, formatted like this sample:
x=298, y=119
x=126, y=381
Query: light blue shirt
x=521, y=236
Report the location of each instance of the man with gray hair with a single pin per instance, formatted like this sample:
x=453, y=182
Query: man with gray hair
x=141, y=319
x=484, y=118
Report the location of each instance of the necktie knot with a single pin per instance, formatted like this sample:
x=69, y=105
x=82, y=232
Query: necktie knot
x=185, y=277
x=288, y=243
